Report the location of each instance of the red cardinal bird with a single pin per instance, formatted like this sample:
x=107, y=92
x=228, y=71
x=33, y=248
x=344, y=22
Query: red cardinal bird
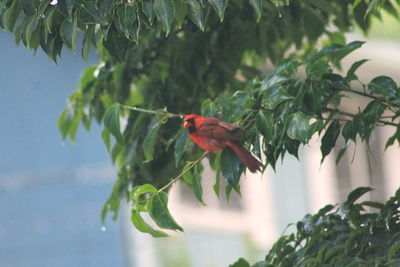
x=212, y=134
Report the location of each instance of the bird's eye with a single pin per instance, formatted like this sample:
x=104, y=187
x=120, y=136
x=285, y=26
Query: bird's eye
x=191, y=120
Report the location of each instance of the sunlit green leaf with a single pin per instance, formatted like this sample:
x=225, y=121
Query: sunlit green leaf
x=144, y=227
x=298, y=127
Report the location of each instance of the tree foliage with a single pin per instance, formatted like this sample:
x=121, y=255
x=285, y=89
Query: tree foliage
x=160, y=59
x=346, y=235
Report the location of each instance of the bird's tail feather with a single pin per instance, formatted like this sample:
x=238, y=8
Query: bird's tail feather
x=251, y=162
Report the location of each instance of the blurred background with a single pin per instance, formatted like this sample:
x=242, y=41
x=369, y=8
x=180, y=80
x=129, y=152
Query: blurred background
x=51, y=192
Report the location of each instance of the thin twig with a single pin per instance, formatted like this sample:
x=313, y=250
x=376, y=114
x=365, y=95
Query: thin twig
x=353, y=115
x=184, y=172
x=157, y=112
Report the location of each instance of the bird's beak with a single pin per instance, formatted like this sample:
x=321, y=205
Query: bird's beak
x=186, y=124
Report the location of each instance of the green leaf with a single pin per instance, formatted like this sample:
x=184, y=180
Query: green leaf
x=196, y=186
x=49, y=19
x=181, y=144
x=89, y=36
x=11, y=15
x=105, y=135
x=273, y=81
x=29, y=30
x=64, y=123
x=340, y=154
x=274, y=96
x=147, y=7
x=111, y=122
x=157, y=206
x=351, y=72
x=216, y=186
x=165, y=10
x=328, y=141
x=126, y=18
x=336, y=52
x=105, y=7
x=139, y=190
x=68, y=33
x=240, y=263
x=89, y=14
x=143, y=227
x=188, y=177
x=383, y=85
x=66, y=7
x=116, y=44
x=198, y=13
x=356, y=194
x=394, y=250
x=264, y=124
x=257, y=6
x=231, y=167
x=208, y=108
x=219, y=6
x=150, y=141
x=298, y=128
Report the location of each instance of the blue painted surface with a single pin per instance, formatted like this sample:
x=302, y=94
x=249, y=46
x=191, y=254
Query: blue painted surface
x=51, y=221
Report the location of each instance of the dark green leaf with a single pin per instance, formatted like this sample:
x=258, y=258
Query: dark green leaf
x=240, y=263
x=11, y=15
x=264, y=124
x=351, y=72
x=383, y=85
x=274, y=96
x=219, y=6
x=142, y=226
x=147, y=7
x=198, y=13
x=328, y=141
x=68, y=33
x=126, y=18
x=394, y=249
x=181, y=144
x=157, y=206
x=208, y=108
x=197, y=187
x=105, y=7
x=231, y=167
x=257, y=6
x=340, y=154
x=116, y=44
x=111, y=122
x=298, y=128
x=150, y=141
x=88, y=13
x=165, y=11
x=356, y=194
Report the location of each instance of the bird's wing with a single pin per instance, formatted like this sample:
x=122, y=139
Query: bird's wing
x=214, y=128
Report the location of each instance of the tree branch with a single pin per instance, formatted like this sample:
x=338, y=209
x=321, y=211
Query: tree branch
x=157, y=112
x=184, y=172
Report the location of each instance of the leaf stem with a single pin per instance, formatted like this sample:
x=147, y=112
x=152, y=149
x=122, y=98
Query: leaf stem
x=157, y=112
x=184, y=172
